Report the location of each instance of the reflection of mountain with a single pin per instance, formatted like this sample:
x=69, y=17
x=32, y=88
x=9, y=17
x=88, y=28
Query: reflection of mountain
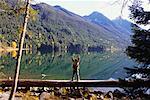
x=62, y=28
x=58, y=65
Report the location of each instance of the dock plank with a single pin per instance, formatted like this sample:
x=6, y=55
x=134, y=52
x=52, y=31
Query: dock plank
x=68, y=83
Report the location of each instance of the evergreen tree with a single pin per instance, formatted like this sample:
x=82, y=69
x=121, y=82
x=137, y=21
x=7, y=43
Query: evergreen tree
x=140, y=49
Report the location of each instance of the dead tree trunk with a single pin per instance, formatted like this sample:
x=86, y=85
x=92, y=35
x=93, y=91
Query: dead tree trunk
x=17, y=70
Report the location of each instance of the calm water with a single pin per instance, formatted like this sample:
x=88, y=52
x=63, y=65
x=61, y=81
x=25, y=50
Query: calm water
x=57, y=65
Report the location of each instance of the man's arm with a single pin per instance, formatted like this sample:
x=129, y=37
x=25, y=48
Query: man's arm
x=72, y=59
x=78, y=58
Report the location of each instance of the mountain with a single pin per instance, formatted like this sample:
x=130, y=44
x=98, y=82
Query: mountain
x=124, y=24
x=99, y=19
x=58, y=28
x=120, y=28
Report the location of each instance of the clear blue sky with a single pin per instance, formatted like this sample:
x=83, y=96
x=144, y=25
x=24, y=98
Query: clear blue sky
x=110, y=8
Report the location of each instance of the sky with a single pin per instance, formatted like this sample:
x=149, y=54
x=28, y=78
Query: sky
x=110, y=8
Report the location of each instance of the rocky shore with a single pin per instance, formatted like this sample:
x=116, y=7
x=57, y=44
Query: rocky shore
x=70, y=93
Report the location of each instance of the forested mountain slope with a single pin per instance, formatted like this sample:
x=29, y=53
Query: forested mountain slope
x=119, y=27
x=58, y=28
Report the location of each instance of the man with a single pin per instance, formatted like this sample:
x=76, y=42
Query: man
x=75, y=67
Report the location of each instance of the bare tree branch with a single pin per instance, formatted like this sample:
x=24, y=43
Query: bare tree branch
x=19, y=56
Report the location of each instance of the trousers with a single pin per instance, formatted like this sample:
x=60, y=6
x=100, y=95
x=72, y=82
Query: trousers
x=76, y=72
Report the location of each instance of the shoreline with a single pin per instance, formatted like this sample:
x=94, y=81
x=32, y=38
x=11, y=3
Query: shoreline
x=9, y=49
x=70, y=93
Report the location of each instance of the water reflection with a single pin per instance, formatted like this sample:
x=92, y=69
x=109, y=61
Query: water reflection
x=57, y=65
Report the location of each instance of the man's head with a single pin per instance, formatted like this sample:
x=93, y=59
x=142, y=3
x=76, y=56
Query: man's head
x=76, y=59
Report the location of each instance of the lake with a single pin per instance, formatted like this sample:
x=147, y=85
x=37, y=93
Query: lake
x=57, y=65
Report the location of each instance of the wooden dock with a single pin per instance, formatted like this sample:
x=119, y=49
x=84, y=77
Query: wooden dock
x=68, y=83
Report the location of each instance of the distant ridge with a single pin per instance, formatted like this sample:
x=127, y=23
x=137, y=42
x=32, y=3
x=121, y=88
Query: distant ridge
x=123, y=23
x=118, y=27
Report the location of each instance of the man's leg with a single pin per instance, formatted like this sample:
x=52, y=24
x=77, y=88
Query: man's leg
x=78, y=74
x=73, y=74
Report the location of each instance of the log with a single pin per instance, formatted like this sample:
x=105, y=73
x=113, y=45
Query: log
x=68, y=83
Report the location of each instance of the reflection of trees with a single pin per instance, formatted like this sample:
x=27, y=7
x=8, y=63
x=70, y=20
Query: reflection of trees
x=57, y=65
x=51, y=60
x=103, y=65
x=47, y=62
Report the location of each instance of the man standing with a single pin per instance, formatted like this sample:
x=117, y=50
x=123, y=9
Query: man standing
x=75, y=66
